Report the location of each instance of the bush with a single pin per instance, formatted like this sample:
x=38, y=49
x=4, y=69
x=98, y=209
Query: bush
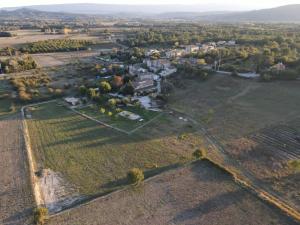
x=200, y=153
x=40, y=215
x=135, y=176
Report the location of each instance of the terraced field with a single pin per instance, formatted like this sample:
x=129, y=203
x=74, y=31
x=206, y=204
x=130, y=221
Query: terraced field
x=16, y=201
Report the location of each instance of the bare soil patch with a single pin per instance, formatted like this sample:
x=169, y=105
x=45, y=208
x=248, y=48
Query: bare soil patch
x=16, y=200
x=197, y=194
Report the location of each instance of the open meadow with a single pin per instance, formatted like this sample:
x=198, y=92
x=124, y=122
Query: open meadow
x=254, y=123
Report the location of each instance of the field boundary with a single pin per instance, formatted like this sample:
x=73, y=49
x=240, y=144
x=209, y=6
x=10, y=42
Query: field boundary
x=37, y=193
x=112, y=127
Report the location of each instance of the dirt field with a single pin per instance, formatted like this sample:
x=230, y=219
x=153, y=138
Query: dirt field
x=254, y=123
x=62, y=58
x=24, y=37
x=197, y=194
x=16, y=201
x=96, y=159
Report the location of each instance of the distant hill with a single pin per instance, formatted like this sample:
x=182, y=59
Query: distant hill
x=89, y=8
x=288, y=13
x=26, y=13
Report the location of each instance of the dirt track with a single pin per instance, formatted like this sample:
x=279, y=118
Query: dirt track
x=16, y=201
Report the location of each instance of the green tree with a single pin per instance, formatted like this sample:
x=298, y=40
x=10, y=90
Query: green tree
x=135, y=176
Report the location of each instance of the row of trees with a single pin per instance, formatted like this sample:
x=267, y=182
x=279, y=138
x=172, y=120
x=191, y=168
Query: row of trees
x=56, y=45
x=28, y=87
x=18, y=64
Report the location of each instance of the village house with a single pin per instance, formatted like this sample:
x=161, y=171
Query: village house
x=191, y=49
x=72, y=101
x=141, y=85
x=158, y=64
x=279, y=67
x=152, y=52
x=136, y=69
x=174, y=53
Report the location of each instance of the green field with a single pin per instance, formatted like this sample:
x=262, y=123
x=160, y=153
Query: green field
x=118, y=121
x=95, y=158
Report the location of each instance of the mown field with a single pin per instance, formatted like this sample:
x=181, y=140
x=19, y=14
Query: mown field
x=95, y=158
x=118, y=121
x=255, y=123
x=196, y=194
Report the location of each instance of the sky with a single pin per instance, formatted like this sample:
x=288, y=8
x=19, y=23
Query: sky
x=241, y=4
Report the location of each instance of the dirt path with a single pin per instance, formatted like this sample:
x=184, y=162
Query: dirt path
x=16, y=199
x=244, y=92
x=245, y=176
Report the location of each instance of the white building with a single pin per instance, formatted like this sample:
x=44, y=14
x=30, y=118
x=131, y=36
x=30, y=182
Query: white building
x=191, y=49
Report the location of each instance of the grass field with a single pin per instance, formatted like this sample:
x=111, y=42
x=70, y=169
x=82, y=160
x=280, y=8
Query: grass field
x=118, y=121
x=95, y=158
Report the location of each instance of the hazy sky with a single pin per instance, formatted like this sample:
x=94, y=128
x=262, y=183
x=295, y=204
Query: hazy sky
x=241, y=4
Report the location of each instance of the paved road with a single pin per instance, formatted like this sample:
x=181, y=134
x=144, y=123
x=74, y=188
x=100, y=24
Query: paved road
x=16, y=200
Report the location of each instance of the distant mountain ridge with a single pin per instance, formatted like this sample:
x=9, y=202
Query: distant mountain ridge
x=288, y=13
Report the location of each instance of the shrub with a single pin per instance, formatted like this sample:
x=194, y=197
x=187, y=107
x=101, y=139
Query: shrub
x=135, y=176
x=105, y=86
x=109, y=113
x=40, y=215
x=112, y=102
x=200, y=153
x=102, y=110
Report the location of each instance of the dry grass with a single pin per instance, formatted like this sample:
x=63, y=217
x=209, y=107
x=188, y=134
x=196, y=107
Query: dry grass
x=197, y=194
x=95, y=158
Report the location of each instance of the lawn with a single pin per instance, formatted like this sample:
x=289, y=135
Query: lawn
x=119, y=121
x=95, y=158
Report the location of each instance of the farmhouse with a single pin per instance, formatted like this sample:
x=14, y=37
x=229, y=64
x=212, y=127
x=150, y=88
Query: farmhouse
x=72, y=101
x=174, y=53
x=130, y=115
x=156, y=65
x=136, y=69
x=191, y=49
x=143, y=85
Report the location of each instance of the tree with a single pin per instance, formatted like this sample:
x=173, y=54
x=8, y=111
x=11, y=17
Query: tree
x=200, y=153
x=135, y=176
x=105, y=86
x=112, y=102
x=83, y=90
x=40, y=215
x=201, y=62
x=92, y=93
